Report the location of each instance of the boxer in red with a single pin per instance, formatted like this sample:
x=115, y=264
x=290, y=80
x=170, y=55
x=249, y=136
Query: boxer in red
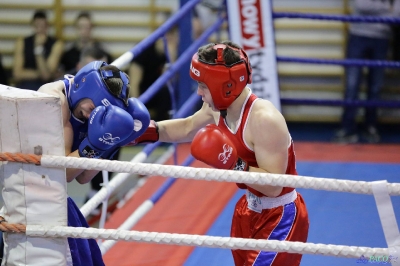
x=236, y=130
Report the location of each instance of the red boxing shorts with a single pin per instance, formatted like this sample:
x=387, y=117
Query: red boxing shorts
x=281, y=218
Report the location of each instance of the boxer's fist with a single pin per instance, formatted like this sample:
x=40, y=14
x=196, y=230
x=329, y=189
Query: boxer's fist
x=141, y=118
x=151, y=135
x=214, y=148
x=108, y=127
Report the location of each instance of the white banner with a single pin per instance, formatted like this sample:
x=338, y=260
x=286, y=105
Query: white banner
x=251, y=26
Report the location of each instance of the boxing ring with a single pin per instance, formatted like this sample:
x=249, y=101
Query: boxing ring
x=381, y=190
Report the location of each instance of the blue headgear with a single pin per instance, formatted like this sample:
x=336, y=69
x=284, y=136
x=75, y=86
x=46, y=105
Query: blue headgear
x=90, y=83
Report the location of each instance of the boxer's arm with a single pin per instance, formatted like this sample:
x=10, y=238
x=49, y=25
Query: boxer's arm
x=56, y=88
x=184, y=129
x=271, y=147
x=81, y=175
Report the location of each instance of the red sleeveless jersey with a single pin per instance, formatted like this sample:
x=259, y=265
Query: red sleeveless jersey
x=244, y=151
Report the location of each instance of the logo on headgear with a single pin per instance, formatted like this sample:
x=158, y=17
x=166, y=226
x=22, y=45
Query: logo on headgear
x=194, y=70
x=226, y=154
x=105, y=102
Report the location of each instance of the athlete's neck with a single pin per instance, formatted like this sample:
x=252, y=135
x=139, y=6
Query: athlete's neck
x=234, y=110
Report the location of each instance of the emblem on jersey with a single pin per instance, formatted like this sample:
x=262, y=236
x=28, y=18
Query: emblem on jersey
x=109, y=139
x=240, y=165
x=226, y=154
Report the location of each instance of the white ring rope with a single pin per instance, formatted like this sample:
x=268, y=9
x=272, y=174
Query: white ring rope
x=141, y=181
x=206, y=241
x=330, y=184
x=105, y=192
x=118, y=180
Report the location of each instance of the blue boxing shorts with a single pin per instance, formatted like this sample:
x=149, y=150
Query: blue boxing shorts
x=84, y=252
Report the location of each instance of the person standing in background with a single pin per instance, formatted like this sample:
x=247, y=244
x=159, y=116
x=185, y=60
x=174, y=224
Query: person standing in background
x=396, y=33
x=89, y=54
x=365, y=41
x=3, y=73
x=36, y=57
x=147, y=67
x=205, y=14
x=84, y=27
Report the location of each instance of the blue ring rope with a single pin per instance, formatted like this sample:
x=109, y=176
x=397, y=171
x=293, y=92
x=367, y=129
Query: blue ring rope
x=354, y=103
x=342, y=18
x=183, y=58
x=169, y=182
x=344, y=62
x=184, y=110
x=167, y=25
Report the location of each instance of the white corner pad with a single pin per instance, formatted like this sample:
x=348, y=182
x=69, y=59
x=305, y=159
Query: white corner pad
x=31, y=122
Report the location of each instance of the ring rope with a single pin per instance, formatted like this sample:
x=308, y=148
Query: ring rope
x=196, y=240
x=11, y=228
x=330, y=184
x=341, y=18
x=144, y=208
x=181, y=239
x=340, y=62
x=352, y=103
x=205, y=241
x=139, y=158
x=20, y=157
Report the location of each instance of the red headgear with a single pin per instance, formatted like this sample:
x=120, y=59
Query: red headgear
x=225, y=82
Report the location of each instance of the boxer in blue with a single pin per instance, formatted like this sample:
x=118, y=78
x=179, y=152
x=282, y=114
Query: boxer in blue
x=98, y=118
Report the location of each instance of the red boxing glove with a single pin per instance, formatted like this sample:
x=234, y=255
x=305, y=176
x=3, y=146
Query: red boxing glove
x=151, y=135
x=212, y=147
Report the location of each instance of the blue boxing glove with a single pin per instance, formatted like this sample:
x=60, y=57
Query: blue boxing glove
x=141, y=118
x=108, y=127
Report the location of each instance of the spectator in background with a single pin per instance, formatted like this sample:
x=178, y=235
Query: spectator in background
x=84, y=27
x=147, y=67
x=37, y=56
x=366, y=41
x=89, y=54
x=396, y=32
x=3, y=73
x=205, y=14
